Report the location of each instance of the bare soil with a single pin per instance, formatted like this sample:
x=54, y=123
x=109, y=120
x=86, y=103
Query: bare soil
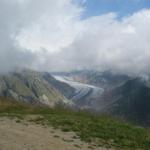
x=24, y=135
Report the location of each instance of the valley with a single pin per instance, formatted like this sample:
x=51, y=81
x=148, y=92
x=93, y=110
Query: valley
x=101, y=92
x=82, y=90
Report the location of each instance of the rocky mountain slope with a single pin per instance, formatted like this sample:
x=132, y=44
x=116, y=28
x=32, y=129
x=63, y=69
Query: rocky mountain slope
x=34, y=87
x=132, y=101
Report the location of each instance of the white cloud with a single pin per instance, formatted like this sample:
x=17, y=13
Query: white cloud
x=107, y=43
x=55, y=38
x=56, y=27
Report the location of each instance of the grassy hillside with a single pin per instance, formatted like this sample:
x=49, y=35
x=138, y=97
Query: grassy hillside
x=101, y=130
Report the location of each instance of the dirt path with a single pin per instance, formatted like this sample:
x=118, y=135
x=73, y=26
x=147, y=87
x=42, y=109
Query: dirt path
x=16, y=135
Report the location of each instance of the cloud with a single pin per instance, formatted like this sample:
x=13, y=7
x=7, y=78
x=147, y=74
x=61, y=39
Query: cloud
x=40, y=24
x=11, y=22
x=107, y=43
x=51, y=36
x=56, y=27
x=104, y=42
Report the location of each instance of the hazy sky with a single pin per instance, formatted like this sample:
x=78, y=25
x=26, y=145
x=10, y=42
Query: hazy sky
x=60, y=35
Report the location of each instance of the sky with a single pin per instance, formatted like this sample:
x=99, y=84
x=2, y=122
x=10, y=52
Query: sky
x=64, y=35
x=121, y=7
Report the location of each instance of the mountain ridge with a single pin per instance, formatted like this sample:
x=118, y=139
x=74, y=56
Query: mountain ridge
x=30, y=86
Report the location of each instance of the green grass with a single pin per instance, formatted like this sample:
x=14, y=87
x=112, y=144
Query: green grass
x=98, y=129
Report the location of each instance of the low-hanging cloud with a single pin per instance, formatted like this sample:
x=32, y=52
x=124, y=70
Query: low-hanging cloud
x=12, y=21
x=51, y=36
x=32, y=21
